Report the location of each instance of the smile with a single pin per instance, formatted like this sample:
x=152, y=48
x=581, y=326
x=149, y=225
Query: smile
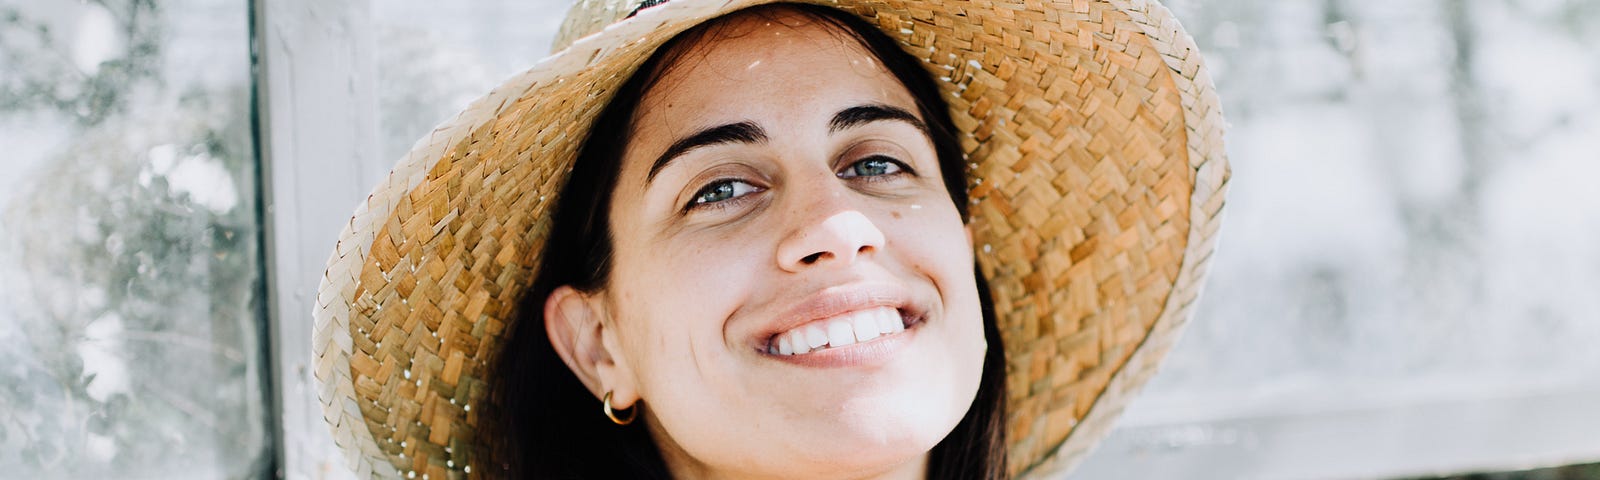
x=839, y=331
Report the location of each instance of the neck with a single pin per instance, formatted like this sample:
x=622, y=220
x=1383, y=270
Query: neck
x=916, y=469
x=683, y=466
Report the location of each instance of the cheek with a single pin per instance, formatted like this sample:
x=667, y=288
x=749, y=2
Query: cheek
x=679, y=296
x=934, y=241
x=935, y=245
x=673, y=301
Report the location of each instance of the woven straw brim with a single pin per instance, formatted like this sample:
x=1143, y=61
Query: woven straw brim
x=1096, y=179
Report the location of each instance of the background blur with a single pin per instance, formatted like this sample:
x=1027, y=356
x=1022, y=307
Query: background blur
x=1407, y=284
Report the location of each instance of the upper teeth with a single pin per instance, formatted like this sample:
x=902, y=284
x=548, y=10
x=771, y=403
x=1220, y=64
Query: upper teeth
x=857, y=326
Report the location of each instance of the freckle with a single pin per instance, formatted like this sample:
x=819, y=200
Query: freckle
x=895, y=214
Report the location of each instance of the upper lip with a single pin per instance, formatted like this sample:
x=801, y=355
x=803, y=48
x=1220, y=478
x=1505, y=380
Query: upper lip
x=838, y=300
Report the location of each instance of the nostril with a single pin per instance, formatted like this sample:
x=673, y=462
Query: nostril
x=841, y=238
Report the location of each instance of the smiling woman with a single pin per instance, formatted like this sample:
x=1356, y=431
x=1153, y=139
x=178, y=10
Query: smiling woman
x=783, y=249
x=770, y=243
x=770, y=167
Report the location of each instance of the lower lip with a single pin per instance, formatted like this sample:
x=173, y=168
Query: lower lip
x=868, y=353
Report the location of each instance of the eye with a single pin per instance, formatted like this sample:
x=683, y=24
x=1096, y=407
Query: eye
x=873, y=166
x=721, y=190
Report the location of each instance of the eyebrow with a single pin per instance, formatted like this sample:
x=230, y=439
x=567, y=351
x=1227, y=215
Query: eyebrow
x=864, y=114
x=742, y=132
x=749, y=132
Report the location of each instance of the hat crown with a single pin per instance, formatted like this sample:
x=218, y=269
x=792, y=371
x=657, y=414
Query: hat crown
x=587, y=17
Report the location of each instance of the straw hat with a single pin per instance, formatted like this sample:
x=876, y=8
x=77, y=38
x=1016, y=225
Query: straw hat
x=1097, y=175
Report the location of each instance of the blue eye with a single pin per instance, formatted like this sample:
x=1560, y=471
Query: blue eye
x=722, y=190
x=873, y=166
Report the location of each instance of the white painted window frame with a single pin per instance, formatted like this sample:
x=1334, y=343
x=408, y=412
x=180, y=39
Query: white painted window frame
x=317, y=108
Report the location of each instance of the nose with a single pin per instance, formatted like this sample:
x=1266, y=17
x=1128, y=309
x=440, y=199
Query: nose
x=835, y=240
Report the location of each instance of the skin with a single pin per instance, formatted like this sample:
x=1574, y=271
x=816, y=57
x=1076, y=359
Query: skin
x=725, y=241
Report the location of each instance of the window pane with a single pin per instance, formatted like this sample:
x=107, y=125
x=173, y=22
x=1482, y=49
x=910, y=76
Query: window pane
x=1413, y=224
x=431, y=63
x=1412, y=211
x=129, y=272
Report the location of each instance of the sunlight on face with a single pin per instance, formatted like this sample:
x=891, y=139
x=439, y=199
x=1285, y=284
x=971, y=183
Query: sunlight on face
x=793, y=287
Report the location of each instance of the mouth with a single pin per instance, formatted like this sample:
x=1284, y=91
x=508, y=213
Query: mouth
x=859, y=326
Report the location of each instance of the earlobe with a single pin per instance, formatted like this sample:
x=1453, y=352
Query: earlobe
x=574, y=323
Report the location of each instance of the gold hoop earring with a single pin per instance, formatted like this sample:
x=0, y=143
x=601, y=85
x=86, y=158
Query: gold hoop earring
x=606, y=404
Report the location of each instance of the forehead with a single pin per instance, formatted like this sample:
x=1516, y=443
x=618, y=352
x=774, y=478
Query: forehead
x=777, y=59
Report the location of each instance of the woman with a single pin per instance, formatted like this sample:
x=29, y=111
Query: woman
x=762, y=264
x=769, y=160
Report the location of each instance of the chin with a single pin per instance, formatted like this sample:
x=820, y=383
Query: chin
x=851, y=455
x=882, y=432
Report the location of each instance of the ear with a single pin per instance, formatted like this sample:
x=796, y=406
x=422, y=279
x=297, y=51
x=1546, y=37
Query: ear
x=578, y=328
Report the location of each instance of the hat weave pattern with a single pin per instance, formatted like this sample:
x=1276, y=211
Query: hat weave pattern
x=1097, y=177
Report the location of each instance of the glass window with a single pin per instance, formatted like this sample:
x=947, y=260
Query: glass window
x=1412, y=230
x=430, y=66
x=130, y=278
x=1412, y=215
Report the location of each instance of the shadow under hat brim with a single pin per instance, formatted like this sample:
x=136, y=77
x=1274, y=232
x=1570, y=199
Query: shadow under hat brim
x=1097, y=173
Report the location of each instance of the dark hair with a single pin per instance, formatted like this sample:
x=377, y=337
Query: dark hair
x=543, y=423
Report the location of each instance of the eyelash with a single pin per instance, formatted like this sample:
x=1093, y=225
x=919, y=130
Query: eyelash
x=696, y=203
x=901, y=168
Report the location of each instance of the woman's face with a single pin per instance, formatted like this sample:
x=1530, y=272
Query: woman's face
x=792, y=291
